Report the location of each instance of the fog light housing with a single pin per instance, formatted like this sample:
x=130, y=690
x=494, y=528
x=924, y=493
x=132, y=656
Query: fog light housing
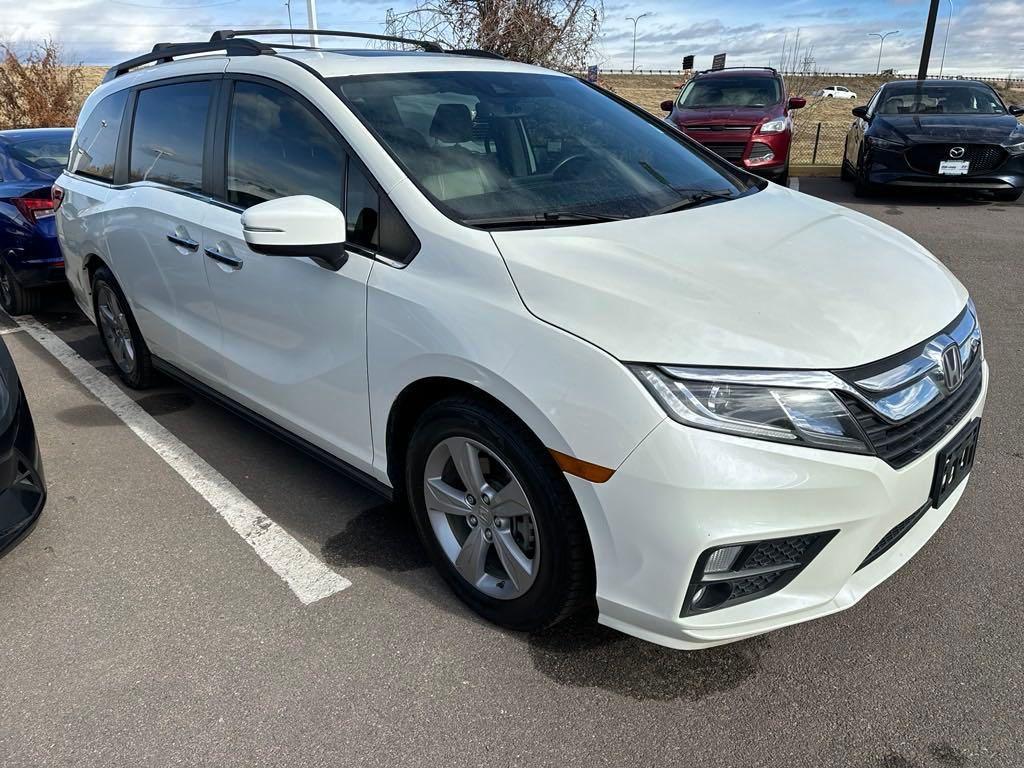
x=735, y=573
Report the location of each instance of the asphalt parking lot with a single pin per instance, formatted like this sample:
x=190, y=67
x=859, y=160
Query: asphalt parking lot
x=139, y=629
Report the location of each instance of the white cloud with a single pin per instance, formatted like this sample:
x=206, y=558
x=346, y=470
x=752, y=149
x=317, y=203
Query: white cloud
x=987, y=36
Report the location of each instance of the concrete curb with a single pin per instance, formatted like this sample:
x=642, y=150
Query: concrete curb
x=814, y=170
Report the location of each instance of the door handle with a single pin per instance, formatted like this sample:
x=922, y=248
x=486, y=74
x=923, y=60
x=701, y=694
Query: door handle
x=184, y=242
x=232, y=261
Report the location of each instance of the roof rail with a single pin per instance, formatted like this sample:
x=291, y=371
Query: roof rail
x=478, y=52
x=164, y=52
x=721, y=69
x=228, y=34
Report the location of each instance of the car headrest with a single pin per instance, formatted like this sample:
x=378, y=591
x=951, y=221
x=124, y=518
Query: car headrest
x=452, y=124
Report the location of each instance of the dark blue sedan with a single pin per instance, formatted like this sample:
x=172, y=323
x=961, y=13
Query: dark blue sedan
x=30, y=161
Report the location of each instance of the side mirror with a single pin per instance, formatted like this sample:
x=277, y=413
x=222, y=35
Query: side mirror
x=861, y=112
x=1016, y=111
x=666, y=105
x=797, y=102
x=300, y=225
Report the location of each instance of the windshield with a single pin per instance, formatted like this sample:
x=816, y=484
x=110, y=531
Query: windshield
x=501, y=145
x=914, y=99
x=730, y=91
x=49, y=155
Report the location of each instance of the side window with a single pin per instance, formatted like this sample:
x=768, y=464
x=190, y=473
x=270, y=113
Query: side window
x=96, y=144
x=362, y=209
x=276, y=147
x=168, y=135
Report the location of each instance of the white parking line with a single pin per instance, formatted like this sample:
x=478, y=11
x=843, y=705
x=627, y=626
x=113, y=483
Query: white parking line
x=6, y=331
x=309, y=578
x=794, y=183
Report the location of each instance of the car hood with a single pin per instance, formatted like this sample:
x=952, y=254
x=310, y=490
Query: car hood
x=747, y=115
x=986, y=129
x=775, y=279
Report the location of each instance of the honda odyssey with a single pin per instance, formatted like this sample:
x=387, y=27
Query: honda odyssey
x=599, y=363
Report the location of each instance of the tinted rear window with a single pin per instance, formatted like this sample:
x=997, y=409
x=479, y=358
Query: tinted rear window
x=96, y=144
x=168, y=135
x=48, y=155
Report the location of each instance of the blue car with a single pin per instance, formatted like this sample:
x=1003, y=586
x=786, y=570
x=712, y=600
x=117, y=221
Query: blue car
x=30, y=259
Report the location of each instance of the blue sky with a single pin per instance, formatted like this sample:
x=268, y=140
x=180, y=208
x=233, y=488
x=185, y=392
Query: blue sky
x=987, y=36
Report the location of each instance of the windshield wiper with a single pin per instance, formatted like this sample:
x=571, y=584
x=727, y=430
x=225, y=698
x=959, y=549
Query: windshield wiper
x=699, y=197
x=546, y=219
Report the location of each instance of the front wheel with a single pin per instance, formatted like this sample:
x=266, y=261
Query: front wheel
x=497, y=517
x=861, y=186
x=844, y=170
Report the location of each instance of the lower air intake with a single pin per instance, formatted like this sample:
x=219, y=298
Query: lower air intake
x=735, y=573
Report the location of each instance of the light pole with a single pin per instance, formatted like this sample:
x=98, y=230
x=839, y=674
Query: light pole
x=314, y=40
x=635, y=20
x=949, y=23
x=881, y=41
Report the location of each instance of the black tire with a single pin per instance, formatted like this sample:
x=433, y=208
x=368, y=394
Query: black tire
x=861, y=186
x=14, y=297
x=844, y=170
x=564, y=582
x=1008, y=195
x=783, y=178
x=139, y=374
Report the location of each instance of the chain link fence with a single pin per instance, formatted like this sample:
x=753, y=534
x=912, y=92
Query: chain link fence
x=818, y=143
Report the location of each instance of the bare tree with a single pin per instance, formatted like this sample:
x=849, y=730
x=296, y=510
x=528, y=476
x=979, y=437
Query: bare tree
x=39, y=89
x=553, y=33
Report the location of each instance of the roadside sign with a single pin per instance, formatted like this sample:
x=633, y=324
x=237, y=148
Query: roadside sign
x=719, y=61
x=687, y=63
x=592, y=73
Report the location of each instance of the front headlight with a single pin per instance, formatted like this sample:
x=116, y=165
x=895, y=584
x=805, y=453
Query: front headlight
x=774, y=126
x=785, y=414
x=878, y=143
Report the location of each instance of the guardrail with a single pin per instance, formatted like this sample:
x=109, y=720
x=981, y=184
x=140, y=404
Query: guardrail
x=1014, y=81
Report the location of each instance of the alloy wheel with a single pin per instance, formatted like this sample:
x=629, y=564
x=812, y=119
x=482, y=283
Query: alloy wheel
x=481, y=517
x=115, y=329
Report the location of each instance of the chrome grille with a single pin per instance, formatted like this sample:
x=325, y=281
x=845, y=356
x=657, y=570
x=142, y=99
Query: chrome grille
x=900, y=444
x=716, y=128
x=907, y=403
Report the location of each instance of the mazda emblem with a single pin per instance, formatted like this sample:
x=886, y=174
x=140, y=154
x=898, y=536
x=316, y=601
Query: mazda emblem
x=956, y=152
x=952, y=367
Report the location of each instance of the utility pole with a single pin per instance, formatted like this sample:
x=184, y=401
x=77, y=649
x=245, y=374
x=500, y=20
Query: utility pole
x=635, y=20
x=929, y=35
x=949, y=23
x=881, y=41
x=314, y=40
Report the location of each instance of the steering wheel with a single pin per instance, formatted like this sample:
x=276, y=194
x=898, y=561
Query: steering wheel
x=570, y=167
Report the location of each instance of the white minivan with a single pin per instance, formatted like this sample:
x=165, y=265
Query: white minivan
x=599, y=363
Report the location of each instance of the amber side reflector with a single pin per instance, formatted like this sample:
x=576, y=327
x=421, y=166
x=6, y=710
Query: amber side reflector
x=595, y=473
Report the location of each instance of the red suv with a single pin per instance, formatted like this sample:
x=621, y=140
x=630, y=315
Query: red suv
x=743, y=114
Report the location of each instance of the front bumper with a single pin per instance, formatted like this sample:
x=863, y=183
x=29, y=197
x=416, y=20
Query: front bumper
x=684, y=490
x=748, y=158
x=889, y=167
